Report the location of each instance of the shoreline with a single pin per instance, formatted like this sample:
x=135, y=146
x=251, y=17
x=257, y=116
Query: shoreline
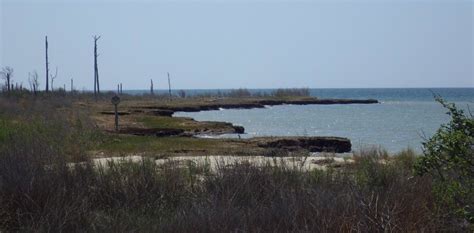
x=146, y=120
x=242, y=103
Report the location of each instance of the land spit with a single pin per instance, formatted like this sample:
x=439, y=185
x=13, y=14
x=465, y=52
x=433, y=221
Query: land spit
x=155, y=119
x=217, y=104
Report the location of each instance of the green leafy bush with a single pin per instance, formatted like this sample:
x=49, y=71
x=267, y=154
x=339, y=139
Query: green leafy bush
x=449, y=159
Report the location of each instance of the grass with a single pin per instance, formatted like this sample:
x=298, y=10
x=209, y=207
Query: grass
x=184, y=123
x=132, y=101
x=125, y=145
x=41, y=191
x=164, y=122
x=132, y=144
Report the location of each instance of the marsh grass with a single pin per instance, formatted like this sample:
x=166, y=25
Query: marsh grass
x=125, y=144
x=40, y=191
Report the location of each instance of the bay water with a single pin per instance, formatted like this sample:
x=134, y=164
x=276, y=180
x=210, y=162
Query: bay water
x=403, y=119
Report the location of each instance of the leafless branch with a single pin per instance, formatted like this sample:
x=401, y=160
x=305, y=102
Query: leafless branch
x=53, y=77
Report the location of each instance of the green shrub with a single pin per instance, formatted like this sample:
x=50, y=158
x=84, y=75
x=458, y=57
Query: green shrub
x=449, y=159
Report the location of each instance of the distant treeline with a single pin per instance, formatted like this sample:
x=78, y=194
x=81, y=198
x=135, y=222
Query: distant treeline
x=226, y=93
x=244, y=92
x=230, y=93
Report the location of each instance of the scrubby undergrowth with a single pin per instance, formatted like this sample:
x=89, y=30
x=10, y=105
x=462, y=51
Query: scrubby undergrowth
x=41, y=191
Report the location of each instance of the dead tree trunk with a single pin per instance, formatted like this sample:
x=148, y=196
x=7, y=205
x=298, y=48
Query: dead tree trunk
x=8, y=81
x=33, y=80
x=169, y=85
x=121, y=91
x=96, y=68
x=47, y=65
x=72, y=85
x=151, y=87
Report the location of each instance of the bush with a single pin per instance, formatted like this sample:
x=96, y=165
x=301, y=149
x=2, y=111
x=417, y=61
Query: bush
x=449, y=160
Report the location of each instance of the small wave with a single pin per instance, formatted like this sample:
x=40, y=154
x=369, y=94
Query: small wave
x=206, y=136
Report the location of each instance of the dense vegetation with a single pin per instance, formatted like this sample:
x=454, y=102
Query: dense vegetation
x=244, y=92
x=42, y=190
x=449, y=159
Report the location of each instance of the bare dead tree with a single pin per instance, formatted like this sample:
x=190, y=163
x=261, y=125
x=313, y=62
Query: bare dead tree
x=118, y=89
x=33, y=80
x=47, y=65
x=53, y=77
x=151, y=87
x=72, y=85
x=169, y=85
x=7, y=74
x=96, y=68
x=182, y=93
x=121, y=91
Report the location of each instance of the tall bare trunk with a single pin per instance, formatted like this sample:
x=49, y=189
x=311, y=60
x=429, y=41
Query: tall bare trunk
x=8, y=82
x=151, y=87
x=47, y=65
x=96, y=68
x=169, y=85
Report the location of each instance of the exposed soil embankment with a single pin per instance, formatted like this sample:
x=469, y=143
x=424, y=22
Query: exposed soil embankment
x=113, y=113
x=312, y=144
x=152, y=132
x=161, y=123
x=160, y=112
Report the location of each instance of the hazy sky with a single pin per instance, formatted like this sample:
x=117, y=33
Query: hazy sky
x=254, y=44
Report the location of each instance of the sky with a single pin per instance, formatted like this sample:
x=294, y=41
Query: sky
x=217, y=44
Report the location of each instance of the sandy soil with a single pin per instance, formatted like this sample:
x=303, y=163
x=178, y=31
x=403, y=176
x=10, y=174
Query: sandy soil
x=214, y=162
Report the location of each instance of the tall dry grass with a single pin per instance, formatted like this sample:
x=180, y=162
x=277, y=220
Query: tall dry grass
x=41, y=192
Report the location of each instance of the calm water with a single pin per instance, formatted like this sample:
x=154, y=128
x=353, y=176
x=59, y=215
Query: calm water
x=402, y=119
